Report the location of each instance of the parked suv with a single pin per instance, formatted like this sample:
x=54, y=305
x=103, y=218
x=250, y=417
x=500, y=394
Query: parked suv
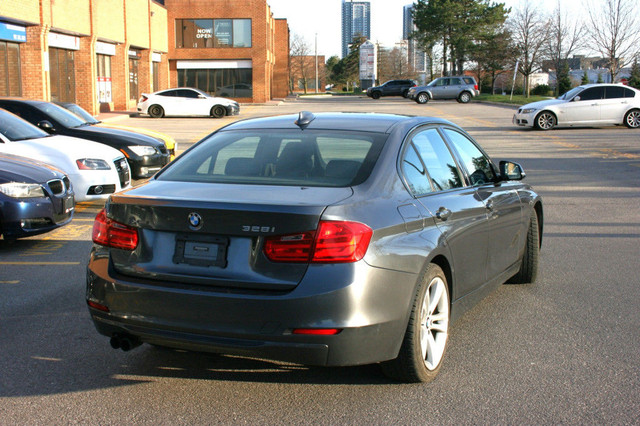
x=462, y=88
x=391, y=88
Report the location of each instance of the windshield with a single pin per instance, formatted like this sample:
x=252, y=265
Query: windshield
x=323, y=158
x=571, y=93
x=61, y=115
x=80, y=112
x=15, y=128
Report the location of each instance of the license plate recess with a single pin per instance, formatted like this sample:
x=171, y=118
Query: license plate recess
x=201, y=250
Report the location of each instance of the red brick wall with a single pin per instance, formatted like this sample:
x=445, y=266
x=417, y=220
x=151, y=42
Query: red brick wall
x=264, y=42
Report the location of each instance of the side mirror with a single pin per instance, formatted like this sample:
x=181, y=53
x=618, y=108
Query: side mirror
x=576, y=99
x=511, y=171
x=46, y=126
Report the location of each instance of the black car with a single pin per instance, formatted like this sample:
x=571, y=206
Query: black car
x=391, y=88
x=34, y=197
x=145, y=155
x=327, y=239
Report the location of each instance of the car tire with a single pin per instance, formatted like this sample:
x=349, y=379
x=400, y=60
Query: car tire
x=218, y=111
x=426, y=337
x=422, y=98
x=545, y=121
x=155, y=111
x=464, y=97
x=405, y=94
x=529, y=267
x=375, y=95
x=632, y=119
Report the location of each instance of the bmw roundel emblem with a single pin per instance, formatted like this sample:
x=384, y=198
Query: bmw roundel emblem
x=195, y=220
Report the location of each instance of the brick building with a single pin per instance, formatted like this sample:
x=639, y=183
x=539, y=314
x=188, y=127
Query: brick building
x=102, y=54
x=303, y=73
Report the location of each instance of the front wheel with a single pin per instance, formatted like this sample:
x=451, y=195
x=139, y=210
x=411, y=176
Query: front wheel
x=375, y=95
x=425, y=340
x=422, y=98
x=218, y=111
x=405, y=93
x=529, y=267
x=545, y=121
x=632, y=119
x=155, y=111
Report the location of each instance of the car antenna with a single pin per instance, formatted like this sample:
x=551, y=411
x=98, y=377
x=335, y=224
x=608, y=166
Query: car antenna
x=304, y=118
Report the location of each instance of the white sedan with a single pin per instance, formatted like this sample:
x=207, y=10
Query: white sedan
x=587, y=105
x=94, y=169
x=186, y=101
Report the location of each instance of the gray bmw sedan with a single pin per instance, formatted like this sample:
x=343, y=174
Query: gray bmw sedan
x=323, y=239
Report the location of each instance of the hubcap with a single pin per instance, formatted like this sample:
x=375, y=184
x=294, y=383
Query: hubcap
x=434, y=323
x=546, y=121
x=633, y=119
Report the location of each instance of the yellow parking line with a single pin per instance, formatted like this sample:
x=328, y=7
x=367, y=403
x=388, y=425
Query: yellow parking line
x=10, y=282
x=40, y=263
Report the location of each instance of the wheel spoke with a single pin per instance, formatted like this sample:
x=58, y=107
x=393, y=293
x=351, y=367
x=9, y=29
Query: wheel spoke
x=435, y=295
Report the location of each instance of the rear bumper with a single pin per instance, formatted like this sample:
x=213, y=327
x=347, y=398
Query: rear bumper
x=371, y=309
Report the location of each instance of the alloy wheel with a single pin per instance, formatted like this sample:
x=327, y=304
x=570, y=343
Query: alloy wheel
x=434, y=323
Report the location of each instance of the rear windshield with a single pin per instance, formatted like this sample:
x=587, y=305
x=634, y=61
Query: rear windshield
x=279, y=157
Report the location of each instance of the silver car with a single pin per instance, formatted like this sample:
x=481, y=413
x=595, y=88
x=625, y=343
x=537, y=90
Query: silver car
x=461, y=88
x=326, y=239
x=587, y=105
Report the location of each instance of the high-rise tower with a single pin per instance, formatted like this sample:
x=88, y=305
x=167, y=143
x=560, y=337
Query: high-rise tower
x=356, y=22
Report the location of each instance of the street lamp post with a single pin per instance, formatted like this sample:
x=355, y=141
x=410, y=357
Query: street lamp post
x=316, y=62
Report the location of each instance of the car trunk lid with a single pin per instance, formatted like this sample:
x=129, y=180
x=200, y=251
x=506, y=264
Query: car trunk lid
x=202, y=235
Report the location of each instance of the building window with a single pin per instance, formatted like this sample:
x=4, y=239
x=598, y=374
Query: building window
x=10, y=81
x=156, y=76
x=104, y=78
x=62, y=75
x=134, y=63
x=203, y=33
x=232, y=83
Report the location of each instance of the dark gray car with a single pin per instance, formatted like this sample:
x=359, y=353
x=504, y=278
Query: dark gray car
x=327, y=239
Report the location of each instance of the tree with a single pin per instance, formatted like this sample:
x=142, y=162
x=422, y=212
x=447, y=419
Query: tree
x=299, y=52
x=492, y=54
x=615, y=32
x=565, y=37
x=530, y=32
x=585, y=78
x=455, y=26
x=634, y=78
x=563, y=83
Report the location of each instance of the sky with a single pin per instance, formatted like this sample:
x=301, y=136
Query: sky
x=323, y=17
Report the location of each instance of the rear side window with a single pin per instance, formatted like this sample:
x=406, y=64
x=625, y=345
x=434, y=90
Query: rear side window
x=441, y=167
x=280, y=157
x=614, y=92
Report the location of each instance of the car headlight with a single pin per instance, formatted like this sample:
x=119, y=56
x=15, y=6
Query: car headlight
x=142, y=150
x=22, y=190
x=528, y=110
x=92, y=164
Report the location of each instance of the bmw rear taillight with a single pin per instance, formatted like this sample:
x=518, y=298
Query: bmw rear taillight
x=110, y=233
x=333, y=242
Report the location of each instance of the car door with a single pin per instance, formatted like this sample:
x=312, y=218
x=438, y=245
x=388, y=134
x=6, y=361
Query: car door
x=439, y=90
x=193, y=103
x=454, y=88
x=505, y=223
x=614, y=105
x=584, y=108
x=170, y=102
x=455, y=207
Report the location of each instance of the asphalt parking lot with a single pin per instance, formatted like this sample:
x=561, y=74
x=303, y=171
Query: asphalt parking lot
x=565, y=350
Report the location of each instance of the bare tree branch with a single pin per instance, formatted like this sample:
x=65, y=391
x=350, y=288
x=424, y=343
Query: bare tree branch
x=615, y=32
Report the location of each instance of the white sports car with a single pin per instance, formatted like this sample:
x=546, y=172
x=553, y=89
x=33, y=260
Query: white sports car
x=95, y=170
x=587, y=105
x=186, y=101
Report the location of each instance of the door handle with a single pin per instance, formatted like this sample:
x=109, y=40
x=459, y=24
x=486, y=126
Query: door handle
x=443, y=213
x=490, y=205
